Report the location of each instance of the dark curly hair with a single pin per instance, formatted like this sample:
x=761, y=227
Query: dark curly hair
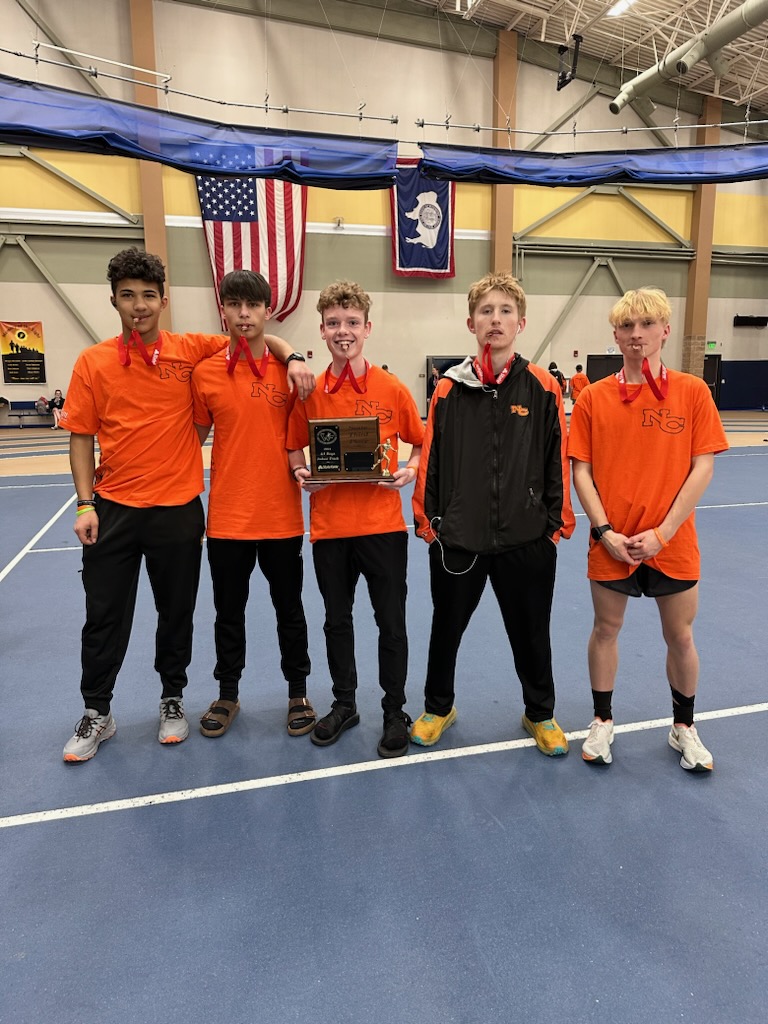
x=134, y=263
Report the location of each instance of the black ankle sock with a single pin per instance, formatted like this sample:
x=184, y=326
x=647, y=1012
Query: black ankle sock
x=228, y=693
x=298, y=689
x=601, y=699
x=682, y=708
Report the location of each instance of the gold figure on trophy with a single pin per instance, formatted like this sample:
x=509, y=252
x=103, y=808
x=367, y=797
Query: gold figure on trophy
x=383, y=451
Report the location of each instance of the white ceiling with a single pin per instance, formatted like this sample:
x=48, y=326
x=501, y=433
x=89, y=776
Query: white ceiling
x=635, y=41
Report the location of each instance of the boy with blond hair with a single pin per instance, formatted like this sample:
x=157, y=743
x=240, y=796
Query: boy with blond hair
x=358, y=528
x=643, y=444
x=492, y=499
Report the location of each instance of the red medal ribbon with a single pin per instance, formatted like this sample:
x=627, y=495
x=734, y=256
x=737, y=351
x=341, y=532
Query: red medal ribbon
x=660, y=391
x=484, y=370
x=347, y=374
x=124, y=353
x=257, y=369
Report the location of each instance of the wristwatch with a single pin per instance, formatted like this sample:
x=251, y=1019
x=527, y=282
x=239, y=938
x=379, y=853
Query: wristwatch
x=297, y=356
x=597, y=531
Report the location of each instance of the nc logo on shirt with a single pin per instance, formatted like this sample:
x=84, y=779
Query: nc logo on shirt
x=669, y=424
x=363, y=408
x=519, y=410
x=270, y=392
x=181, y=371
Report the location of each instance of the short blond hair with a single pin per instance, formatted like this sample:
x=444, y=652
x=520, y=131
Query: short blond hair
x=504, y=282
x=646, y=301
x=347, y=294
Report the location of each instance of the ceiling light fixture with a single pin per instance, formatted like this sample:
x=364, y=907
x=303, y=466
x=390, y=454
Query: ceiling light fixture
x=619, y=8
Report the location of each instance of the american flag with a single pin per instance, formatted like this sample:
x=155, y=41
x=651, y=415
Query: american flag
x=256, y=224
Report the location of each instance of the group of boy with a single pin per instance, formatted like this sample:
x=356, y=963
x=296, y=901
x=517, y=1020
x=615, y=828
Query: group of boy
x=491, y=498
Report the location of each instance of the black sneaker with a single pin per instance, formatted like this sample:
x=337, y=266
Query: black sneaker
x=394, y=739
x=338, y=719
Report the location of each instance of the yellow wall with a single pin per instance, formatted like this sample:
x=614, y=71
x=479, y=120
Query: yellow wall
x=741, y=220
x=604, y=217
x=27, y=186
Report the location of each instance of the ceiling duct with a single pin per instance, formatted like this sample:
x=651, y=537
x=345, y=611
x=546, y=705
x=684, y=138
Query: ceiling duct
x=680, y=61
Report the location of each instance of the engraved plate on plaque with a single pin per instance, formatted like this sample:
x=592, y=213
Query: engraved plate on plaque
x=344, y=450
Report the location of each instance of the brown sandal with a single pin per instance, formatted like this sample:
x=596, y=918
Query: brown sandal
x=301, y=716
x=219, y=716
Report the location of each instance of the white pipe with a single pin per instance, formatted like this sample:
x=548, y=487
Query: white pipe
x=680, y=61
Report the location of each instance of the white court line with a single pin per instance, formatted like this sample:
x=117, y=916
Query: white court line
x=41, y=532
x=53, y=551
x=247, y=785
x=23, y=487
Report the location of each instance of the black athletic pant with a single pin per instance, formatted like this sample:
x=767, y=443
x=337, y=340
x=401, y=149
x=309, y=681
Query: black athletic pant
x=232, y=562
x=523, y=581
x=382, y=559
x=169, y=538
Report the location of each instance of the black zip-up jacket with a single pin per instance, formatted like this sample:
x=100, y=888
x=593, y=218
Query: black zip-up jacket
x=494, y=472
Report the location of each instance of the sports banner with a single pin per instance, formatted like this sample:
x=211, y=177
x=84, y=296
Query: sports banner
x=23, y=352
x=422, y=224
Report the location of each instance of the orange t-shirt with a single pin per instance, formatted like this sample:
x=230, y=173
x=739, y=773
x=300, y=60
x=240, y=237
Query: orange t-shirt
x=578, y=382
x=358, y=510
x=142, y=416
x=253, y=495
x=641, y=453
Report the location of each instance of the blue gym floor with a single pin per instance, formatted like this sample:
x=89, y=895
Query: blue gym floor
x=261, y=879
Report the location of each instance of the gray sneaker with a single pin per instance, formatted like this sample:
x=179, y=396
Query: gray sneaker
x=174, y=728
x=696, y=757
x=90, y=731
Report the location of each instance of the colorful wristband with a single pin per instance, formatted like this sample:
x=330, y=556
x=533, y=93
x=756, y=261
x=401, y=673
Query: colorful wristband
x=660, y=538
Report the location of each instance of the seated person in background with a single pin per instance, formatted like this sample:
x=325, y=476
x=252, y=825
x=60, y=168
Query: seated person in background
x=578, y=382
x=55, y=406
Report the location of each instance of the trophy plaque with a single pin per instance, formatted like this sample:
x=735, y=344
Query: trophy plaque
x=347, y=450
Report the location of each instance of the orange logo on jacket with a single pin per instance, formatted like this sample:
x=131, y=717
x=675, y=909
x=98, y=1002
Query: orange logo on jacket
x=520, y=410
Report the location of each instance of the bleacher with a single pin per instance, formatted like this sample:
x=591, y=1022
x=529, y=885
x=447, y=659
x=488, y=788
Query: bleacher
x=23, y=412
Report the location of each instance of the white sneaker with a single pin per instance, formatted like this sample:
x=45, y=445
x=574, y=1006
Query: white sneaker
x=90, y=731
x=597, y=745
x=696, y=757
x=174, y=728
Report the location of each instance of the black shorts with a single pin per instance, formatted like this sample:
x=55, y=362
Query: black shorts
x=648, y=582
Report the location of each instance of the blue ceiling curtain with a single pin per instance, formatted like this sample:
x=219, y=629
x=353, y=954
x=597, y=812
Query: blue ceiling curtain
x=692, y=165
x=52, y=118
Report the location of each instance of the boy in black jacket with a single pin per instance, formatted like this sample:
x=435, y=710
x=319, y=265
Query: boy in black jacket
x=492, y=499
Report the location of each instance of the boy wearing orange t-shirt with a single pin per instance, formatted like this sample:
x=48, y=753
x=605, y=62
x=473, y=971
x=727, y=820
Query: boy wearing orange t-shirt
x=643, y=444
x=358, y=528
x=254, y=507
x=578, y=382
x=143, y=499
